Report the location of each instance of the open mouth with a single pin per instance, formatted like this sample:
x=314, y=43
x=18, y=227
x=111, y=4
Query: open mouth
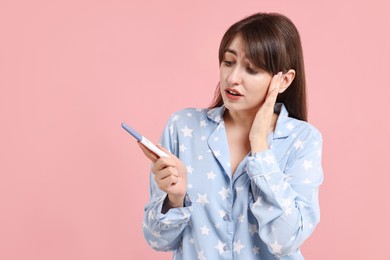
x=233, y=92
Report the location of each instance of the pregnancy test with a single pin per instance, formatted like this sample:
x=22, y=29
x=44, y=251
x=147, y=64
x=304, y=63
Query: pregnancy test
x=143, y=140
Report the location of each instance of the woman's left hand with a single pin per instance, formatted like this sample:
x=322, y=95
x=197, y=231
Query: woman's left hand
x=262, y=124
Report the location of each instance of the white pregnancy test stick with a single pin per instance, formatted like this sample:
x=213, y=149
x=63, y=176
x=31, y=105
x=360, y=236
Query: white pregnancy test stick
x=143, y=140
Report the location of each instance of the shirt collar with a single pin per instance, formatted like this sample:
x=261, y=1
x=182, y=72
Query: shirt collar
x=216, y=115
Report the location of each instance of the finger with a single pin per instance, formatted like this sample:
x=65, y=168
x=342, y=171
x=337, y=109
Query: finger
x=165, y=173
x=166, y=183
x=151, y=155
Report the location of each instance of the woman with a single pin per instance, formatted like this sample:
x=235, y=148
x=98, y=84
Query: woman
x=243, y=175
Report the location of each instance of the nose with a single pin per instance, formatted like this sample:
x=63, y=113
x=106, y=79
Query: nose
x=235, y=78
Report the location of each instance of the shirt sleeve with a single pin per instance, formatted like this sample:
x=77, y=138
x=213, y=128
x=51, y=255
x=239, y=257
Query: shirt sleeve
x=285, y=204
x=163, y=231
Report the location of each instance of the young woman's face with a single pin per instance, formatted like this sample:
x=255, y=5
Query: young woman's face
x=243, y=86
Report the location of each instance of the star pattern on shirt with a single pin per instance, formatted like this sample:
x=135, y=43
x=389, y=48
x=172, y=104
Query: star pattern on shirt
x=176, y=118
x=276, y=248
x=187, y=131
x=307, y=164
x=198, y=141
x=211, y=175
x=201, y=256
x=290, y=126
x=224, y=193
x=253, y=229
x=241, y=218
x=222, y=213
x=220, y=246
x=205, y=230
x=258, y=202
x=298, y=144
x=269, y=159
x=189, y=169
x=237, y=246
x=182, y=148
x=202, y=199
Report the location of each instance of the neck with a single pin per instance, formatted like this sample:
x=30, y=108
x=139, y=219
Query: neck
x=241, y=119
x=244, y=119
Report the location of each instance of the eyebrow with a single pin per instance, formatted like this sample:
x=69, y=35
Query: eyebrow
x=231, y=51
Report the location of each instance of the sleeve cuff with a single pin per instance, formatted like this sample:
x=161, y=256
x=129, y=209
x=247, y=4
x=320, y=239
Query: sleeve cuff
x=262, y=164
x=175, y=216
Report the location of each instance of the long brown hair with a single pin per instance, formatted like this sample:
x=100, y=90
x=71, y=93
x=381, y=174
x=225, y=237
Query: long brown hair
x=272, y=43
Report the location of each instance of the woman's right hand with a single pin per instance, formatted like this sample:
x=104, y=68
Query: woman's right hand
x=170, y=174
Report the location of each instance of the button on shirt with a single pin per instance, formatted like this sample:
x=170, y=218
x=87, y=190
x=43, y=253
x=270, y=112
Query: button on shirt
x=265, y=210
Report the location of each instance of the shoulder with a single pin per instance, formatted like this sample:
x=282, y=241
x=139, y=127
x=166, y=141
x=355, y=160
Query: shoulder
x=307, y=130
x=188, y=114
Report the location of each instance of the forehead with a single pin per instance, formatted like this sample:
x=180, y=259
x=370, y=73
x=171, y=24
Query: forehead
x=236, y=46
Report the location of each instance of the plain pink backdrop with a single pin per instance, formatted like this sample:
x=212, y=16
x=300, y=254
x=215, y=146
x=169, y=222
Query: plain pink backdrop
x=73, y=184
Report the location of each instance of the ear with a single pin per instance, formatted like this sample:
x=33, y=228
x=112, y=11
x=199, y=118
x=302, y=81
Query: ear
x=287, y=79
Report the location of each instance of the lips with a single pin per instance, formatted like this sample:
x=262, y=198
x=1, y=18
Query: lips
x=233, y=92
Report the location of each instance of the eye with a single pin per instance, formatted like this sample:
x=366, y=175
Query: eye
x=251, y=71
x=227, y=63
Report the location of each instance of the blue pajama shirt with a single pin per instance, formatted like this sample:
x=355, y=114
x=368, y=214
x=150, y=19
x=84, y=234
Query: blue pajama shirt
x=266, y=210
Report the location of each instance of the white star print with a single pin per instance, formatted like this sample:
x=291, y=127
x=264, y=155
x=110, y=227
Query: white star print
x=275, y=188
x=238, y=246
x=217, y=226
x=189, y=114
x=307, y=164
x=218, y=118
x=189, y=186
x=211, y=175
x=273, y=228
x=290, y=126
x=241, y=218
x=222, y=213
x=298, y=144
x=203, y=138
x=258, y=202
x=166, y=222
x=205, y=230
x=279, y=133
x=221, y=125
x=190, y=169
x=200, y=157
x=307, y=181
x=182, y=148
x=151, y=215
x=269, y=159
x=187, y=131
x=286, y=202
x=176, y=117
x=201, y=256
x=224, y=193
x=153, y=244
x=255, y=250
x=239, y=188
x=192, y=241
x=288, y=211
x=202, y=199
x=216, y=139
x=220, y=246
x=253, y=229
x=217, y=153
x=171, y=129
x=203, y=123
x=276, y=248
x=156, y=233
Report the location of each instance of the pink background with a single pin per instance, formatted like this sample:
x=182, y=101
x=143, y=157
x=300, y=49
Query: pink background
x=73, y=184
